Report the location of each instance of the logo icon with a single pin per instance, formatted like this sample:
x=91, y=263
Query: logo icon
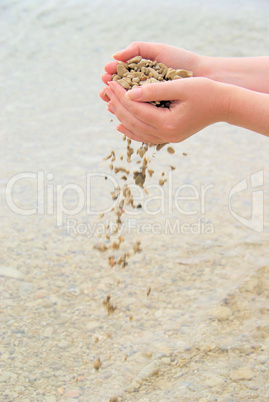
x=255, y=222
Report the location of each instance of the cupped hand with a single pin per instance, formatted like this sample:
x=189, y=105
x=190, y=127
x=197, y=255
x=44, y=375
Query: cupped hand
x=196, y=103
x=170, y=55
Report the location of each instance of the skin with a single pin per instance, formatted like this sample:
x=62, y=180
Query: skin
x=232, y=90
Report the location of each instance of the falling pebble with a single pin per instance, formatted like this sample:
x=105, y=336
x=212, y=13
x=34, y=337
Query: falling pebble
x=184, y=154
x=136, y=247
x=97, y=364
x=162, y=181
x=160, y=146
x=140, y=172
x=148, y=292
x=108, y=157
x=170, y=150
x=100, y=247
x=107, y=304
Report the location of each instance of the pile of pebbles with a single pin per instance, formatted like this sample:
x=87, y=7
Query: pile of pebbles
x=136, y=71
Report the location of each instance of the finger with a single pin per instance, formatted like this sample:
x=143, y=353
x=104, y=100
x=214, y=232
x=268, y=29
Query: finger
x=103, y=95
x=129, y=120
x=163, y=91
x=106, y=78
x=149, y=139
x=128, y=133
x=145, y=49
x=111, y=67
x=111, y=109
x=147, y=113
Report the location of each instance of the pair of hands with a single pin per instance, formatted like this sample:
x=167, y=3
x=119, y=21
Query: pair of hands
x=196, y=102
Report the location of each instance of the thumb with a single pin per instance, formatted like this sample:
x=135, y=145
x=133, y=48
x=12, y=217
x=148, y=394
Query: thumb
x=169, y=90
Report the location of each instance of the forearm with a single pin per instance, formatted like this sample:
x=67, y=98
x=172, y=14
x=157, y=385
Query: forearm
x=248, y=109
x=247, y=72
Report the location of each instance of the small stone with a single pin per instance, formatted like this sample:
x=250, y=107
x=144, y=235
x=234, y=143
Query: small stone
x=92, y=325
x=63, y=344
x=158, y=313
x=148, y=371
x=226, y=398
x=72, y=393
x=121, y=70
x=222, y=313
x=26, y=287
x=263, y=359
x=184, y=73
x=11, y=272
x=243, y=373
x=97, y=364
x=48, y=332
x=170, y=73
x=170, y=150
x=136, y=247
x=124, y=84
x=7, y=375
x=135, y=59
x=213, y=381
x=166, y=360
x=50, y=398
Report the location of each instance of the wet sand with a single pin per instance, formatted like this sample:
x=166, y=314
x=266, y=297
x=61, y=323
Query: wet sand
x=201, y=332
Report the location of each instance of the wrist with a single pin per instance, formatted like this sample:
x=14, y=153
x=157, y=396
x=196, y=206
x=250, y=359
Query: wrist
x=223, y=101
x=208, y=68
x=203, y=67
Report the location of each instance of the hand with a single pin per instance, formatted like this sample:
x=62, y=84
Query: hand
x=170, y=55
x=196, y=103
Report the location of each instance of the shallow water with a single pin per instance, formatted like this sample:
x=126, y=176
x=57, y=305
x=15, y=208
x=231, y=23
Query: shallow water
x=56, y=130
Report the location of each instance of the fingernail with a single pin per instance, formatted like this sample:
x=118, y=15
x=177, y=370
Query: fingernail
x=135, y=93
x=111, y=108
x=119, y=128
x=116, y=54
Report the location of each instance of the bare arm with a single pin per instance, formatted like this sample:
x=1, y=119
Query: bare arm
x=196, y=103
x=247, y=72
x=248, y=109
x=234, y=90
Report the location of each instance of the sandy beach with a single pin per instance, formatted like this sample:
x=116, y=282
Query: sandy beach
x=191, y=318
